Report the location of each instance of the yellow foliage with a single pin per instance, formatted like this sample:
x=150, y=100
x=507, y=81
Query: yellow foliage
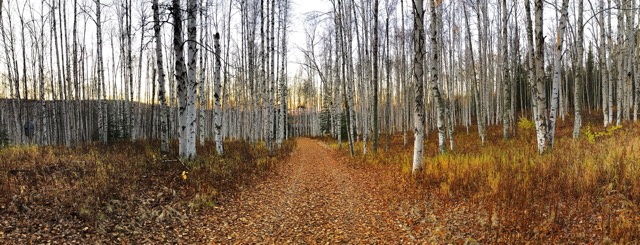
x=525, y=124
x=593, y=135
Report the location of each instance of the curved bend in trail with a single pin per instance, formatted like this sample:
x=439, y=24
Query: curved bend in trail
x=313, y=198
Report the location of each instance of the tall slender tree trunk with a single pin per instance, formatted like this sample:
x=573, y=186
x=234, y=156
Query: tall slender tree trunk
x=620, y=60
x=479, y=86
x=192, y=85
x=102, y=120
x=577, y=93
x=628, y=59
x=216, y=96
x=435, y=73
x=283, y=77
x=349, y=76
x=43, y=108
x=365, y=72
x=557, y=73
x=374, y=82
x=272, y=82
x=539, y=92
x=181, y=77
x=604, y=70
x=609, y=62
x=506, y=106
x=202, y=96
x=63, y=116
x=388, y=97
x=418, y=77
x=405, y=94
x=631, y=60
x=164, y=136
x=130, y=127
x=137, y=123
x=337, y=83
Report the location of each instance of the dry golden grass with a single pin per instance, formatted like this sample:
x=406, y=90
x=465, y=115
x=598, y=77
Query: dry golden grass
x=586, y=190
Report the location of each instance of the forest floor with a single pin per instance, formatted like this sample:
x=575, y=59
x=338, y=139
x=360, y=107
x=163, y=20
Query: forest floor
x=124, y=192
x=585, y=191
x=581, y=191
x=321, y=195
x=313, y=198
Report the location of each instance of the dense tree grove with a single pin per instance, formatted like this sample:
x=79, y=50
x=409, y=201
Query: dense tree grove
x=98, y=85
x=78, y=71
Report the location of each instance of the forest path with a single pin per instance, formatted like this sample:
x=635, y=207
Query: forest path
x=313, y=198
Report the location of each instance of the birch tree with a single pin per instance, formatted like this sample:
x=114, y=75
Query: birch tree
x=374, y=82
x=479, y=87
x=556, y=72
x=184, y=78
x=506, y=86
x=164, y=138
x=284, y=8
x=539, y=94
x=475, y=93
x=349, y=76
x=577, y=93
x=405, y=97
x=202, y=96
x=192, y=85
x=418, y=77
x=620, y=60
x=216, y=95
x=435, y=90
x=602, y=63
x=102, y=120
x=272, y=80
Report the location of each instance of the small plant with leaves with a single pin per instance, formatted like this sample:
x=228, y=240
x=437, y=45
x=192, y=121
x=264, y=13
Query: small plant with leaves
x=526, y=124
x=592, y=135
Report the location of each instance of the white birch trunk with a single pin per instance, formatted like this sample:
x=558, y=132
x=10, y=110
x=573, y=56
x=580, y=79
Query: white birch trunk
x=202, y=96
x=283, y=77
x=479, y=86
x=506, y=86
x=539, y=92
x=610, y=64
x=374, y=82
x=604, y=70
x=621, y=70
x=272, y=78
x=631, y=59
x=192, y=86
x=43, y=108
x=556, y=74
x=577, y=93
x=183, y=79
x=435, y=90
x=164, y=136
x=102, y=124
x=418, y=75
x=216, y=96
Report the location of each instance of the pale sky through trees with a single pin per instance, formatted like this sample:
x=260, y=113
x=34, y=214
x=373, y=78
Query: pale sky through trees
x=31, y=11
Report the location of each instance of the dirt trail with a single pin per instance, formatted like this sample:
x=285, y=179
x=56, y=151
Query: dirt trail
x=313, y=198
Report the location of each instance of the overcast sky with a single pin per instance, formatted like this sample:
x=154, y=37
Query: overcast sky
x=297, y=35
x=296, y=38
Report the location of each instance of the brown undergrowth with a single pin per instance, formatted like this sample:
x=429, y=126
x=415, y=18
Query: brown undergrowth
x=582, y=191
x=126, y=191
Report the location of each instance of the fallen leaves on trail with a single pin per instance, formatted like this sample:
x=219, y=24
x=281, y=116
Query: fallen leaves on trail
x=313, y=199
